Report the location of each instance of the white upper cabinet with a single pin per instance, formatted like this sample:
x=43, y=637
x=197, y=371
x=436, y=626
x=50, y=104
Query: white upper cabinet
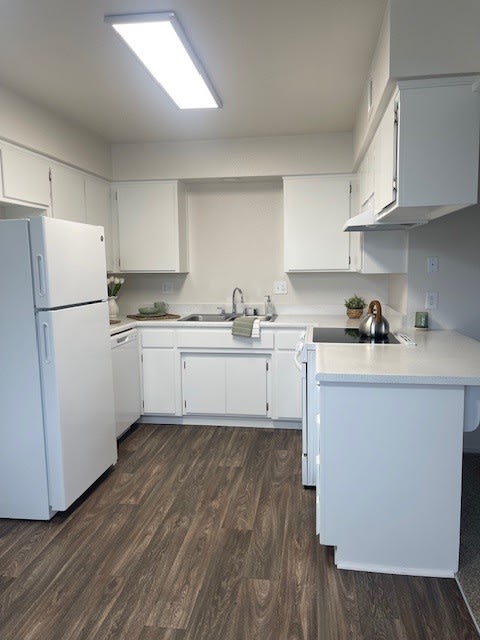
x=68, y=194
x=25, y=176
x=383, y=152
x=98, y=211
x=315, y=208
x=427, y=150
x=152, y=226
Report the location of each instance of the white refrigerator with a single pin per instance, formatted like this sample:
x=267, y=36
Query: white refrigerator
x=57, y=426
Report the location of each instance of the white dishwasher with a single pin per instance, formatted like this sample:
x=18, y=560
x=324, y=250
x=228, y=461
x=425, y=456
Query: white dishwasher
x=126, y=379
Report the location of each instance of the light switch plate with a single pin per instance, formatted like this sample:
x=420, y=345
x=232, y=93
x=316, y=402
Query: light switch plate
x=167, y=287
x=432, y=264
x=431, y=300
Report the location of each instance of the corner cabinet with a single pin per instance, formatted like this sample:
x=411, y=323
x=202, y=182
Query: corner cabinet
x=425, y=151
x=152, y=226
x=315, y=209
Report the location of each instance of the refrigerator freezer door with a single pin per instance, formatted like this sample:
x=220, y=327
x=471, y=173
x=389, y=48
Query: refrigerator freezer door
x=76, y=370
x=68, y=260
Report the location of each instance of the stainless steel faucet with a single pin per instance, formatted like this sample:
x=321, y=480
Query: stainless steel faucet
x=234, y=304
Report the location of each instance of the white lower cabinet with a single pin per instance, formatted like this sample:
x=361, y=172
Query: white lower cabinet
x=288, y=387
x=221, y=384
x=287, y=377
x=210, y=373
x=246, y=385
x=203, y=384
x=159, y=381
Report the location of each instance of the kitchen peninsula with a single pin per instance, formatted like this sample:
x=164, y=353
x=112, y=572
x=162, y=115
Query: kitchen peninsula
x=391, y=422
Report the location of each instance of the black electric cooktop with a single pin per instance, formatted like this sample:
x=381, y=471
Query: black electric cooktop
x=339, y=336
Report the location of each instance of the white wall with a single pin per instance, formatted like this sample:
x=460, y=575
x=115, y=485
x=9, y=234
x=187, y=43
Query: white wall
x=236, y=239
x=274, y=156
x=33, y=127
x=455, y=239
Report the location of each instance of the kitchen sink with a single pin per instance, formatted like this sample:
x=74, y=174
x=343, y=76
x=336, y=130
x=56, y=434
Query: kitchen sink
x=208, y=317
x=219, y=317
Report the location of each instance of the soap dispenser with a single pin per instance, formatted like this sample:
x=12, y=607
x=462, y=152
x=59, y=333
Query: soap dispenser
x=268, y=306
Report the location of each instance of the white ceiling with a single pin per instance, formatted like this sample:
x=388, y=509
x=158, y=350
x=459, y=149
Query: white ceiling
x=280, y=66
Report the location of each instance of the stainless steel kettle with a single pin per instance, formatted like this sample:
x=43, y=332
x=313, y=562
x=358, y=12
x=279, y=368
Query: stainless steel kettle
x=374, y=325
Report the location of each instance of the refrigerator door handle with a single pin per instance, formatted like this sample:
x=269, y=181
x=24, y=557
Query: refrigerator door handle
x=46, y=343
x=41, y=274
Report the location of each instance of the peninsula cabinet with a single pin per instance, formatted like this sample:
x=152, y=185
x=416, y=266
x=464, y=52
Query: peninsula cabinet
x=152, y=226
x=230, y=385
x=24, y=176
x=315, y=209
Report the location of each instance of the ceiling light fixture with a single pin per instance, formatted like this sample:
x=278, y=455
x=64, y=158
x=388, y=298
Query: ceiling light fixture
x=159, y=41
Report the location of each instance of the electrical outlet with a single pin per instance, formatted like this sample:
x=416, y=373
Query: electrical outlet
x=280, y=287
x=432, y=264
x=167, y=287
x=431, y=300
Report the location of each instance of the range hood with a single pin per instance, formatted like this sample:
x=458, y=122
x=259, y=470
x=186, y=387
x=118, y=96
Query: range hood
x=367, y=221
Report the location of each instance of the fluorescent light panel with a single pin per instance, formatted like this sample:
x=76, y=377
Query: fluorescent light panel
x=158, y=40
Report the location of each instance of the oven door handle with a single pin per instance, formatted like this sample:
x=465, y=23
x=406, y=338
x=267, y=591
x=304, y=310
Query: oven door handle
x=298, y=353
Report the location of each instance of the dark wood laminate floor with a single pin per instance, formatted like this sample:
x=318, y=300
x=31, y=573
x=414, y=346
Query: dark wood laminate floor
x=204, y=533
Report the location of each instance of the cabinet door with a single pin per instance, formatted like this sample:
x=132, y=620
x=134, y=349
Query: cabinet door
x=159, y=381
x=25, y=176
x=203, y=380
x=315, y=209
x=151, y=227
x=384, y=160
x=98, y=211
x=246, y=385
x=68, y=194
x=288, y=387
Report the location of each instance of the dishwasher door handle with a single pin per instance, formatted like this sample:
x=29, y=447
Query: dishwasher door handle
x=123, y=338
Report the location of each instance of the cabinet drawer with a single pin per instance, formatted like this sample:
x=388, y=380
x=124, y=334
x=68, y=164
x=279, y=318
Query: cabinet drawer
x=158, y=338
x=221, y=339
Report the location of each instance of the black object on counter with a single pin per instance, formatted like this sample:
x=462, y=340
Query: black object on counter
x=349, y=336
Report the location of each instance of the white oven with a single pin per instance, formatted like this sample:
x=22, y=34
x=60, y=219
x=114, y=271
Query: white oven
x=305, y=360
x=305, y=353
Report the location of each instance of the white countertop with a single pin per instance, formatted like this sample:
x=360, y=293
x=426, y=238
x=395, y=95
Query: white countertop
x=282, y=321
x=440, y=357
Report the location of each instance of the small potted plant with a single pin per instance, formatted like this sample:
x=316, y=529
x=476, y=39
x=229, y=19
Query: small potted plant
x=355, y=306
